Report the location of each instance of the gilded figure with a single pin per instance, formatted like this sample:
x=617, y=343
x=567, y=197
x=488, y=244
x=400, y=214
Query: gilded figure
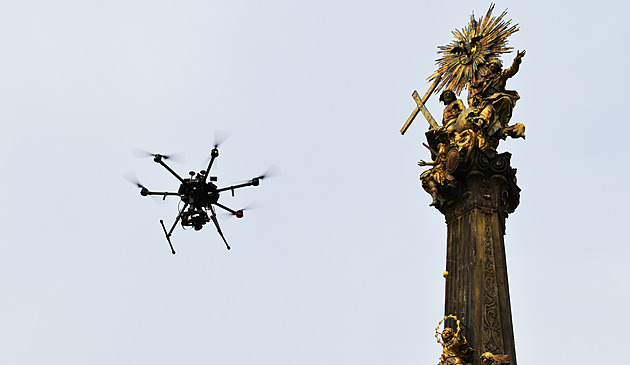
x=488, y=358
x=489, y=96
x=455, y=347
x=438, y=175
x=471, y=61
x=454, y=107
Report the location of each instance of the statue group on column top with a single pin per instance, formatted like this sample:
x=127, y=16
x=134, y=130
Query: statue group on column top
x=470, y=62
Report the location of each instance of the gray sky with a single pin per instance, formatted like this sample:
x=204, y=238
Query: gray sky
x=343, y=264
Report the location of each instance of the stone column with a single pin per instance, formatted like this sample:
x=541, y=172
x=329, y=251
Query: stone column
x=477, y=289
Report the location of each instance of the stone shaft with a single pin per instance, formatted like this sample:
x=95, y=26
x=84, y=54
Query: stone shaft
x=477, y=289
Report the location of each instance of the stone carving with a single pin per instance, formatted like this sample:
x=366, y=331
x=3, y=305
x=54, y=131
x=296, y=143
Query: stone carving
x=491, y=335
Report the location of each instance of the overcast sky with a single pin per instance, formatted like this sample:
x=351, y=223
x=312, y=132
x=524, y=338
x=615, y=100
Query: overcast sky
x=343, y=263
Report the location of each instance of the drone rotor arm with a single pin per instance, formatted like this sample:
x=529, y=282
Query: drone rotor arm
x=254, y=182
x=161, y=162
x=236, y=213
x=213, y=155
x=160, y=193
x=226, y=208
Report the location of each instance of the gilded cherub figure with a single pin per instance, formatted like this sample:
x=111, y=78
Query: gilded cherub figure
x=455, y=347
x=488, y=358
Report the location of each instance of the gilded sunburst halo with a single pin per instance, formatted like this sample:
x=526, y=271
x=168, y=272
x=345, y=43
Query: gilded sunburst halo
x=480, y=42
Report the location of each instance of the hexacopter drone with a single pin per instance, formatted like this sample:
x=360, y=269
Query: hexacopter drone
x=199, y=195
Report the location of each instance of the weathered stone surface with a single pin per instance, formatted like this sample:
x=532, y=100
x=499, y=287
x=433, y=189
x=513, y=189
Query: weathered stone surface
x=477, y=289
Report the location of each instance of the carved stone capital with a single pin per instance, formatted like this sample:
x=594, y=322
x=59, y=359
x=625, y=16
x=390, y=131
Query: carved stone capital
x=485, y=180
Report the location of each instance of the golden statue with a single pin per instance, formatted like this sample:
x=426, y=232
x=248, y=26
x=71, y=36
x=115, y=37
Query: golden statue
x=454, y=107
x=488, y=358
x=438, y=175
x=454, y=345
x=471, y=61
x=488, y=93
x=492, y=102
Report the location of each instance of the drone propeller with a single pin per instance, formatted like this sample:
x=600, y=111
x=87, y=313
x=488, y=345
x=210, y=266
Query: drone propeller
x=132, y=178
x=253, y=205
x=175, y=157
x=271, y=172
x=220, y=136
x=239, y=213
x=250, y=206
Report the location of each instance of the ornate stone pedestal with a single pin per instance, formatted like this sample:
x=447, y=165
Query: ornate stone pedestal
x=477, y=289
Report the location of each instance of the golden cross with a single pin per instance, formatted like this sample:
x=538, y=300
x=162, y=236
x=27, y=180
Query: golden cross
x=422, y=108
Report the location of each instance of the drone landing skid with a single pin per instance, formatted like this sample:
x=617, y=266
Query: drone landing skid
x=216, y=223
x=197, y=219
x=168, y=237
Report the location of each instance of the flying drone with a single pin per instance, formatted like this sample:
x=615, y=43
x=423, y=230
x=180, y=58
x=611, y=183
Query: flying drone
x=199, y=195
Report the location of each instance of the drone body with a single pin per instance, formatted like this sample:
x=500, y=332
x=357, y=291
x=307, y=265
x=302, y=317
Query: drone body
x=199, y=195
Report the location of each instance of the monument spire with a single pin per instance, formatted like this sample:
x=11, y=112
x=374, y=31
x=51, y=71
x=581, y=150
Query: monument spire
x=474, y=187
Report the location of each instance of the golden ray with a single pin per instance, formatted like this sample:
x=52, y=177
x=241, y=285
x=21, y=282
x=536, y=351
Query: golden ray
x=476, y=44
